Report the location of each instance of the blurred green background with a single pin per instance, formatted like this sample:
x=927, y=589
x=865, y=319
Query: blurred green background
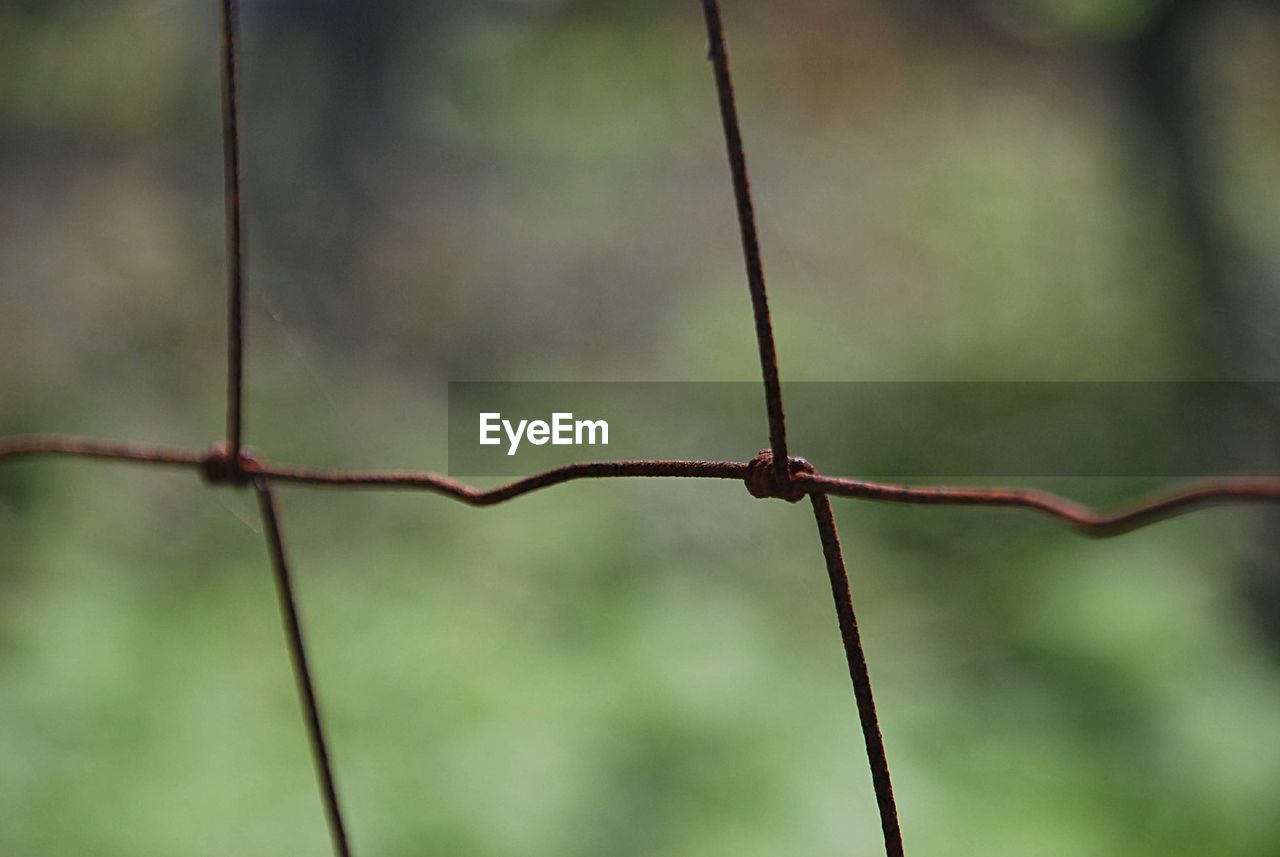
x=949, y=190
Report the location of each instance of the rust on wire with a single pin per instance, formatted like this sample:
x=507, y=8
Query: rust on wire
x=40, y=445
x=762, y=478
x=859, y=674
x=481, y=497
x=216, y=469
x=301, y=670
x=750, y=238
x=771, y=474
x=235, y=234
x=1094, y=522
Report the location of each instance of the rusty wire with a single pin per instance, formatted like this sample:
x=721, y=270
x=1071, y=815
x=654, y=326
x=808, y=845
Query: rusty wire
x=771, y=474
x=719, y=54
x=235, y=226
x=301, y=670
x=217, y=469
x=858, y=674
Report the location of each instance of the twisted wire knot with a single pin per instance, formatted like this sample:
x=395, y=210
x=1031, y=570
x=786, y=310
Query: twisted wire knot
x=221, y=467
x=763, y=481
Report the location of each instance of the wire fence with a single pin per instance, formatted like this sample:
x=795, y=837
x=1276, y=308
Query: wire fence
x=773, y=473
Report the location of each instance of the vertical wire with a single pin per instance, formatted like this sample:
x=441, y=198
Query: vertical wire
x=750, y=238
x=858, y=673
x=235, y=238
x=301, y=671
x=777, y=431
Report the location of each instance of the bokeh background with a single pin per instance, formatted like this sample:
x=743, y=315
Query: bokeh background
x=435, y=191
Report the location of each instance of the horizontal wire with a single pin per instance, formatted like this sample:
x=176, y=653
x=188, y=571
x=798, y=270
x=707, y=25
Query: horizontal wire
x=1176, y=501
x=24, y=446
x=1093, y=522
x=481, y=497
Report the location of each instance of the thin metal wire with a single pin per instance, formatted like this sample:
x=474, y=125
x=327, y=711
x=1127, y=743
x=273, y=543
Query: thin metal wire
x=750, y=237
x=481, y=497
x=235, y=235
x=859, y=674
x=1090, y=521
x=41, y=445
x=301, y=671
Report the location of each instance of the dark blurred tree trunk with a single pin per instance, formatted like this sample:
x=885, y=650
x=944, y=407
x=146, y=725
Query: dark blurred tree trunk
x=1161, y=82
x=1159, y=79
x=330, y=62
